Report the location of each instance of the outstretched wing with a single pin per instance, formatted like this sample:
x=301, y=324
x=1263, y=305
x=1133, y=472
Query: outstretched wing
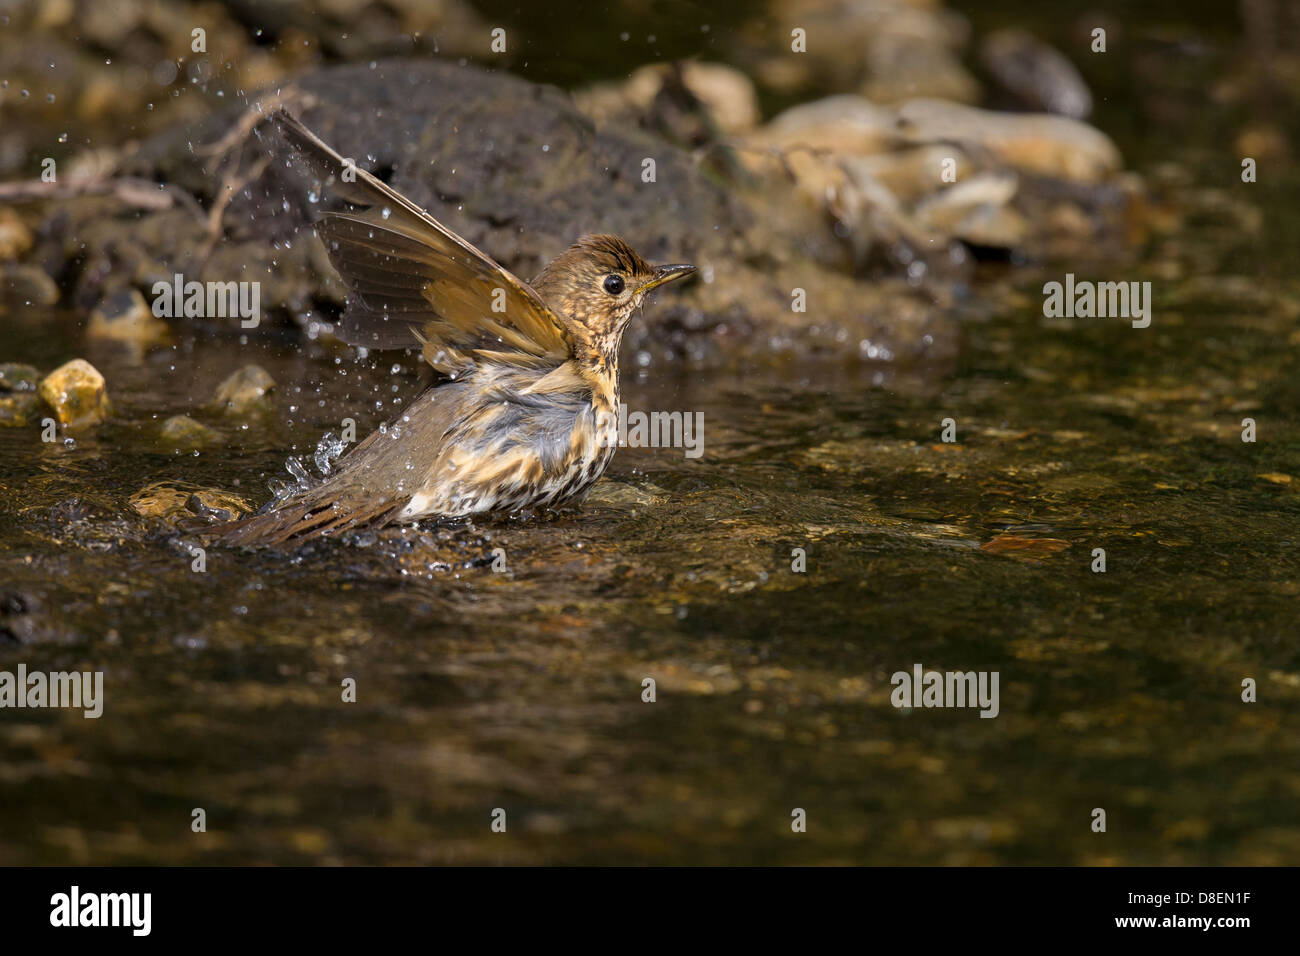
x=412, y=280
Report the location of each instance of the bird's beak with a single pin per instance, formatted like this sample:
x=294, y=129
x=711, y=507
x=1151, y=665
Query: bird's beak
x=668, y=274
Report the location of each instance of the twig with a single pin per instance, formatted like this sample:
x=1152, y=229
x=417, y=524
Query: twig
x=140, y=193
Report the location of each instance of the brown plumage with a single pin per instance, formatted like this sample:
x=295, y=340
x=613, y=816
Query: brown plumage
x=531, y=369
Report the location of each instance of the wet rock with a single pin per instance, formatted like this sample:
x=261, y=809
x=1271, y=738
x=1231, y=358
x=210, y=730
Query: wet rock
x=1050, y=146
x=173, y=500
x=726, y=95
x=888, y=50
x=1262, y=142
x=1036, y=74
x=244, y=390
x=620, y=496
x=18, y=409
x=128, y=64
x=185, y=434
x=18, y=377
x=19, y=615
x=908, y=185
x=845, y=124
x=901, y=68
x=828, y=191
x=123, y=316
x=976, y=211
x=25, y=285
x=15, y=237
x=1023, y=548
x=519, y=171
x=77, y=394
x=19, y=403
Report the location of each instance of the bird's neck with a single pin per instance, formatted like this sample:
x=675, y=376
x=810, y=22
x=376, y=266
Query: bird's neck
x=597, y=364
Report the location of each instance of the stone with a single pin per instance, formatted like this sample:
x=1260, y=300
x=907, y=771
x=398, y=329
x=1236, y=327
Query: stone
x=25, y=285
x=15, y=237
x=1037, y=143
x=18, y=377
x=185, y=434
x=1036, y=74
x=18, y=409
x=889, y=50
x=124, y=316
x=171, y=500
x=977, y=211
x=77, y=393
x=727, y=95
x=244, y=390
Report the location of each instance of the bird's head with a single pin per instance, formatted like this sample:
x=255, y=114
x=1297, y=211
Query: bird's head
x=597, y=284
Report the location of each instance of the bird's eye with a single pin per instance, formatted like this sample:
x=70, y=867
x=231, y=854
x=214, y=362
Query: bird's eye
x=614, y=284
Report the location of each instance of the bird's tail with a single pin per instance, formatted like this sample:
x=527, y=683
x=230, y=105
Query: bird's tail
x=311, y=515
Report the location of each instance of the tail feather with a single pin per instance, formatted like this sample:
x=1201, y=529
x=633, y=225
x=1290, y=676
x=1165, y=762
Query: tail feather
x=299, y=519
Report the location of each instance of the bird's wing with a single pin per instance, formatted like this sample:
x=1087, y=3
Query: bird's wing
x=412, y=280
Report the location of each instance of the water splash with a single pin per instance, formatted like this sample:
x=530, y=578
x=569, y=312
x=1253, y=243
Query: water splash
x=328, y=450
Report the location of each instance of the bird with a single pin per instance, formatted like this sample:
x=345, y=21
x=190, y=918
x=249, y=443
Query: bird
x=527, y=383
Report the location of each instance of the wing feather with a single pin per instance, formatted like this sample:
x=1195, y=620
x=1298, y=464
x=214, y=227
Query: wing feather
x=412, y=280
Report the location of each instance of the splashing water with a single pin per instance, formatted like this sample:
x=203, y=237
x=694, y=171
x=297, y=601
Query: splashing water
x=328, y=451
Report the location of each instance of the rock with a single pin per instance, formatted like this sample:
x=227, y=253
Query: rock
x=845, y=124
x=123, y=316
x=18, y=377
x=26, y=285
x=20, y=617
x=903, y=68
x=976, y=211
x=811, y=145
x=535, y=174
x=18, y=409
x=1049, y=146
x=620, y=496
x=15, y=237
x=1016, y=546
x=185, y=434
x=727, y=95
x=1262, y=142
x=906, y=185
x=245, y=390
x=129, y=65
x=1035, y=73
x=170, y=500
x=888, y=50
x=77, y=394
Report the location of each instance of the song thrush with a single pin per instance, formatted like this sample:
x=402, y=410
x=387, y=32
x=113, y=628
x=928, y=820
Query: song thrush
x=529, y=371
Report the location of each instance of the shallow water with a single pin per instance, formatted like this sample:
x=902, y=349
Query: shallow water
x=522, y=689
